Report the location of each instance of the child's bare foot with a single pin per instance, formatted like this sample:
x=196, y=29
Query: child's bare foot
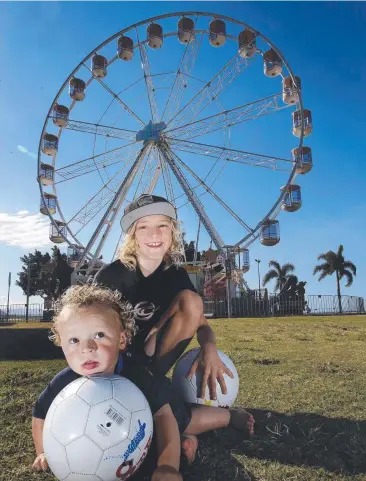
x=189, y=447
x=241, y=419
x=166, y=473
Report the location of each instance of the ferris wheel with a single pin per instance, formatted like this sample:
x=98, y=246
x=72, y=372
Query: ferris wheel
x=192, y=105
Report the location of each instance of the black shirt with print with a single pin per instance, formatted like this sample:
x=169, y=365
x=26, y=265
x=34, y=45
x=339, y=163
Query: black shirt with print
x=151, y=295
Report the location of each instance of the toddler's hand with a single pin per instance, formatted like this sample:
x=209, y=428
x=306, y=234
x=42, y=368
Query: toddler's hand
x=40, y=463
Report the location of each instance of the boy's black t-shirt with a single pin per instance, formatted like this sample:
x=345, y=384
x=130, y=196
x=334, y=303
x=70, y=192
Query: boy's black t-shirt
x=151, y=295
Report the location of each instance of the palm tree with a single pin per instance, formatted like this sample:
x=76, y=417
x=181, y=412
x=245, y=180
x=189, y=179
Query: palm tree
x=280, y=273
x=335, y=263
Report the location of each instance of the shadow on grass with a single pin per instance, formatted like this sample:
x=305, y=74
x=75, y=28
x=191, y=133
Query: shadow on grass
x=213, y=461
x=302, y=439
x=307, y=440
x=27, y=344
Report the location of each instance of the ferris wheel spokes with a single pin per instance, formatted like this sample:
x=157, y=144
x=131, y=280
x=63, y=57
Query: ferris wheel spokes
x=98, y=129
x=153, y=175
x=213, y=194
x=228, y=118
x=180, y=83
x=147, y=181
x=193, y=198
x=231, y=155
x=98, y=202
x=116, y=96
x=89, y=165
x=168, y=186
x=113, y=209
x=212, y=89
x=148, y=80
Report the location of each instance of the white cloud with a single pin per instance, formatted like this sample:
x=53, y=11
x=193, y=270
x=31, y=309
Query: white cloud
x=25, y=151
x=12, y=300
x=24, y=230
x=22, y=213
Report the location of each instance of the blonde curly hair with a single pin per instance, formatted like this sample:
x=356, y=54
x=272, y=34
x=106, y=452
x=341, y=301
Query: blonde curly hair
x=89, y=295
x=175, y=254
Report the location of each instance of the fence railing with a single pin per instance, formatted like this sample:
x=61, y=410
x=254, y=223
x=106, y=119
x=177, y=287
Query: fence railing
x=17, y=312
x=275, y=305
x=245, y=306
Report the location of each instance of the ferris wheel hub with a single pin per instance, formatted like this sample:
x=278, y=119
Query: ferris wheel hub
x=150, y=132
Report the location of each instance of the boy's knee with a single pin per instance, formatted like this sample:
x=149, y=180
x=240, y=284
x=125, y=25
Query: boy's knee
x=191, y=303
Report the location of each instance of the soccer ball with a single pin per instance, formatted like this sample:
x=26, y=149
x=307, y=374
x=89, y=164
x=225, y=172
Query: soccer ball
x=98, y=428
x=188, y=387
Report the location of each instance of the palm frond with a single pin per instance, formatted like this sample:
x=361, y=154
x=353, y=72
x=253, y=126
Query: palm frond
x=287, y=268
x=272, y=274
x=322, y=267
x=350, y=265
x=323, y=274
x=340, y=251
x=349, y=277
x=276, y=265
x=329, y=256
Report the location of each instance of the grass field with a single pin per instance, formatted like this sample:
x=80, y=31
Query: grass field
x=304, y=379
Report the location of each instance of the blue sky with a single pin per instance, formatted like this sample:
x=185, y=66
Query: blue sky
x=37, y=56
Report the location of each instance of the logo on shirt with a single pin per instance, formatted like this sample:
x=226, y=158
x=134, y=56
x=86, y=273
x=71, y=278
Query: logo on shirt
x=145, y=310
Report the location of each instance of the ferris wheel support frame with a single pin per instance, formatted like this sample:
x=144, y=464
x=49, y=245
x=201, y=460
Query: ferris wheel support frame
x=113, y=209
x=185, y=67
x=196, y=203
x=275, y=208
x=211, y=90
x=148, y=80
x=212, y=193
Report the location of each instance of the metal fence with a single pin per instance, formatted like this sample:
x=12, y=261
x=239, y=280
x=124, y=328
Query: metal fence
x=245, y=306
x=261, y=306
x=17, y=313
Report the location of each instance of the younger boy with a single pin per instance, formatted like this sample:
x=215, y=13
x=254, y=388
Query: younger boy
x=93, y=327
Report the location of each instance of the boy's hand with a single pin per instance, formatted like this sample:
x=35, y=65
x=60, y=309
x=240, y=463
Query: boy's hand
x=40, y=463
x=212, y=368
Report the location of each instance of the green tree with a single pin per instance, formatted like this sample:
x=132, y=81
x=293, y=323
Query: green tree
x=278, y=273
x=49, y=275
x=334, y=263
x=61, y=273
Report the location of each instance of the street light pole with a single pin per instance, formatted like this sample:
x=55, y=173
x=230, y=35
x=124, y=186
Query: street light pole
x=258, y=261
x=228, y=279
x=28, y=290
x=7, y=307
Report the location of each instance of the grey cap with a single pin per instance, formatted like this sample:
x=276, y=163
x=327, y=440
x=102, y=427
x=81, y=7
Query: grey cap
x=146, y=205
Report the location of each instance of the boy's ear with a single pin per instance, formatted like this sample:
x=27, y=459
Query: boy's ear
x=122, y=341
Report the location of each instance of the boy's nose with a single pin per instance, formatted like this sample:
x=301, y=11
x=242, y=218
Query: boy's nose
x=88, y=346
x=155, y=231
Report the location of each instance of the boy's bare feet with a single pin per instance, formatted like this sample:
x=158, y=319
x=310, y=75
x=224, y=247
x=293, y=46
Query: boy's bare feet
x=189, y=447
x=241, y=419
x=166, y=473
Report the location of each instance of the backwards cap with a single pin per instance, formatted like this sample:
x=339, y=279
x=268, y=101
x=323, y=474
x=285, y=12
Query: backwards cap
x=146, y=205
